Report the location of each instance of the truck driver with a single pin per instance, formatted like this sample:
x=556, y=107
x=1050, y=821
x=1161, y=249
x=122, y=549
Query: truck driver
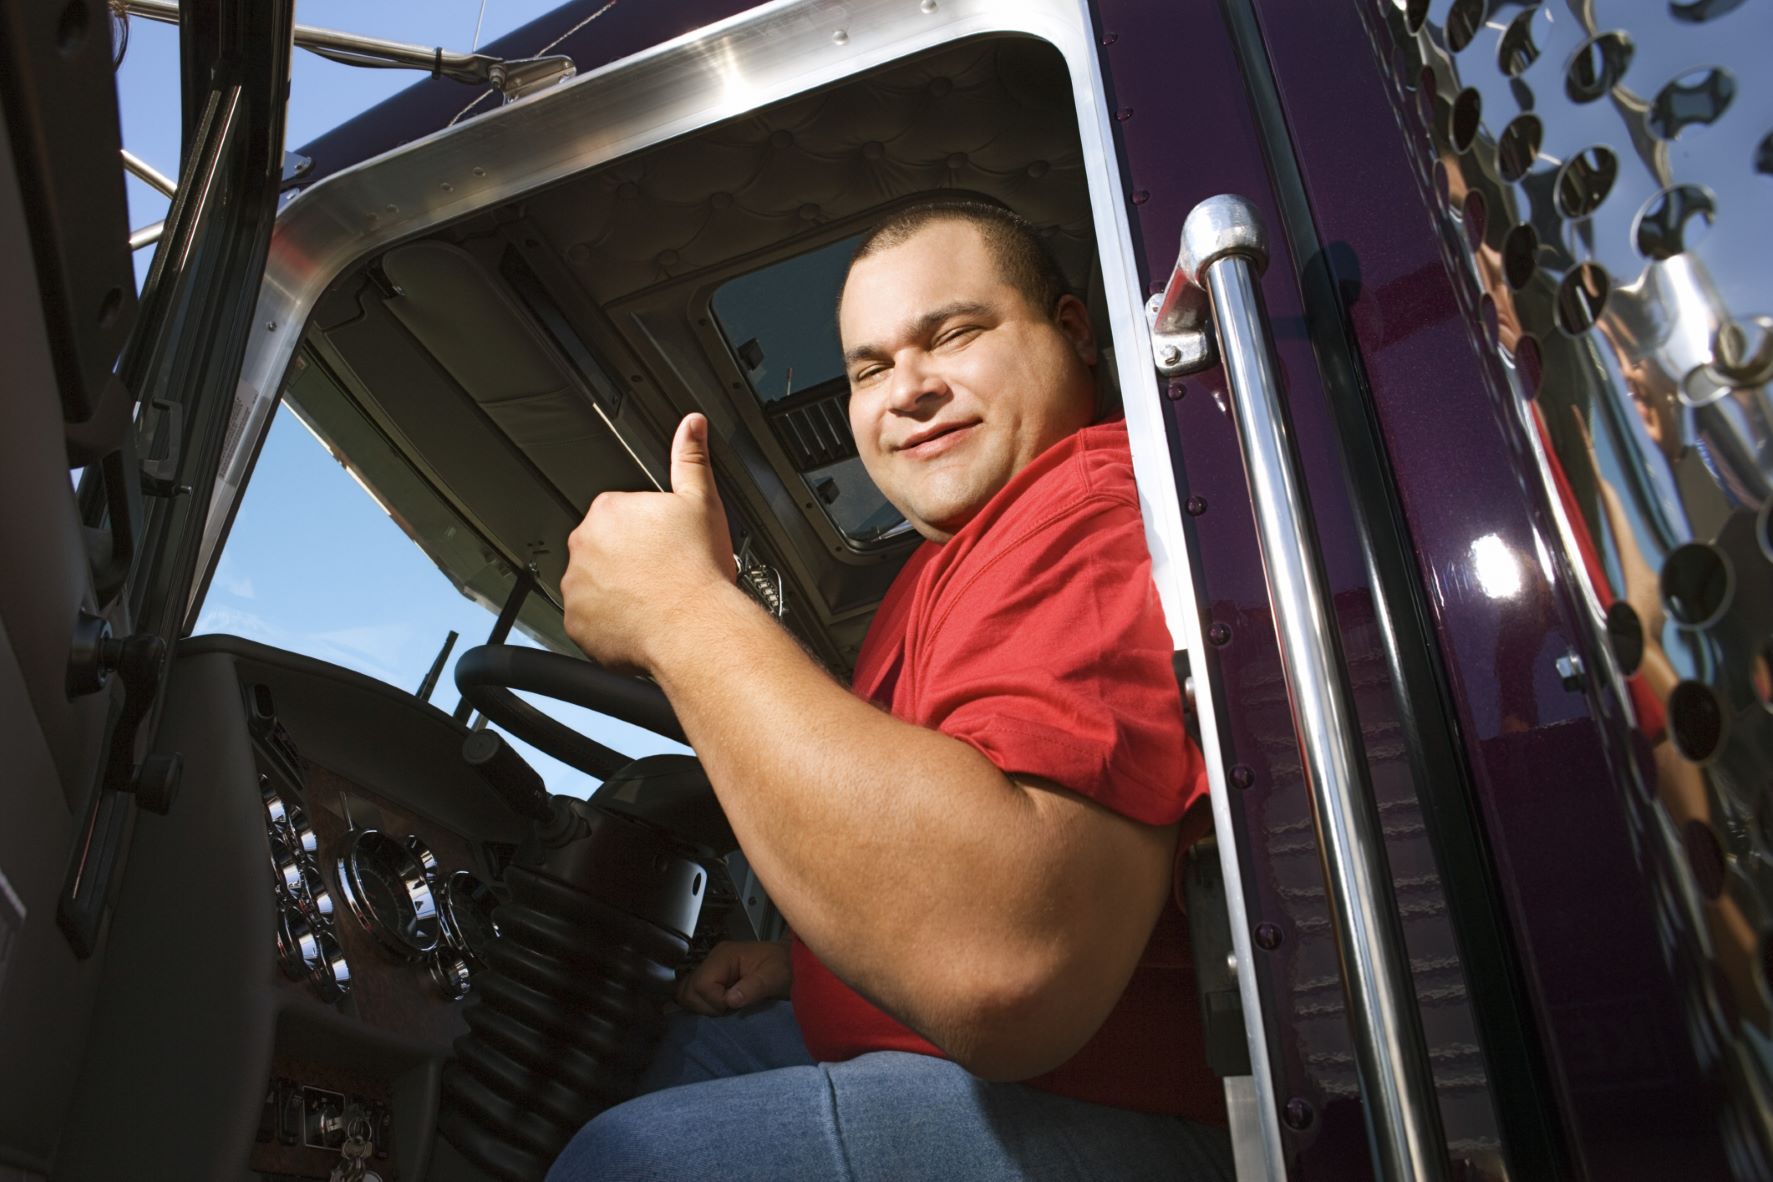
x=975, y=843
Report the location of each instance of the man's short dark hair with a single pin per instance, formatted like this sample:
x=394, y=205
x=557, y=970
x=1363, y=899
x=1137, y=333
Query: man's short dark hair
x=1026, y=262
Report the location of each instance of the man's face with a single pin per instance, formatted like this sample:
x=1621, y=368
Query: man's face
x=956, y=380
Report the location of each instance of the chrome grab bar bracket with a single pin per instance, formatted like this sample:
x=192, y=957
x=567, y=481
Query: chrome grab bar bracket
x=1224, y=249
x=1181, y=329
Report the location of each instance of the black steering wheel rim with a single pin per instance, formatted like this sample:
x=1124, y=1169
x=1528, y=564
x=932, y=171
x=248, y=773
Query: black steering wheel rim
x=486, y=674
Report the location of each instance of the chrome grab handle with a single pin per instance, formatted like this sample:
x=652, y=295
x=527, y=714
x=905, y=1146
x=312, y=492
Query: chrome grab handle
x=1224, y=249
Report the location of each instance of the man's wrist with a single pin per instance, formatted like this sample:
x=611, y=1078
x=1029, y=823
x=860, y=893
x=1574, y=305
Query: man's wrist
x=702, y=622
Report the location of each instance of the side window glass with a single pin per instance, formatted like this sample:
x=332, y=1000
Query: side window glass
x=779, y=323
x=315, y=565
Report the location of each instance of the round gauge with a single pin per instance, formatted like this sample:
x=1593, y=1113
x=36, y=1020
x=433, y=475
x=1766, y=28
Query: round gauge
x=295, y=824
x=384, y=887
x=316, y=898
x=449, y=973
x=415, y=845
x=329, y=973
x=467, y=906
x=298, y=949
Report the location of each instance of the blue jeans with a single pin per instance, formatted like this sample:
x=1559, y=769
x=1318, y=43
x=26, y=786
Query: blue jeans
x=739, y=1098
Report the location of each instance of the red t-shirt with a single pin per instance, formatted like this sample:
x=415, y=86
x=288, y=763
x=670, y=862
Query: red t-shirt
x=1035, y=635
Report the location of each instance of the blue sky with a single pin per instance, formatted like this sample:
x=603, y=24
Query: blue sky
x=313, y=564
x=323, y=94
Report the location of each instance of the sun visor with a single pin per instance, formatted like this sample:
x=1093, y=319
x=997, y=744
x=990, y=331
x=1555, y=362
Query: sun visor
x=469, y=320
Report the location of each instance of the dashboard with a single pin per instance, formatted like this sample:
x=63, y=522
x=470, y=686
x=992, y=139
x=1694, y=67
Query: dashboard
x=342, y=937
x=378, y=906
x=294, y=946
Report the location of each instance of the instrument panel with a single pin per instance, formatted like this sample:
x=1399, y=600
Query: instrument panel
x=345, y=887
x=383, y=916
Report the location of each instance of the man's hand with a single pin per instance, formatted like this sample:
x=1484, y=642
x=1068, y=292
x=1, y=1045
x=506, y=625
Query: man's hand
x=639, y=561
x=737, y=973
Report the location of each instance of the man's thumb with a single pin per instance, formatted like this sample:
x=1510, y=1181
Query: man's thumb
x=690, y=472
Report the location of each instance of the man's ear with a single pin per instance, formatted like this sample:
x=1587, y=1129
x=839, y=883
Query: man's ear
x=1074, y=321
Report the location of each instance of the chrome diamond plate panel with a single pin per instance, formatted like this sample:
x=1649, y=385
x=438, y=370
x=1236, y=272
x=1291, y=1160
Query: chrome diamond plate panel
x=1603, y=173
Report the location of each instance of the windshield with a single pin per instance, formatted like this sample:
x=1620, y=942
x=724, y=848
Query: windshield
x=315, y=565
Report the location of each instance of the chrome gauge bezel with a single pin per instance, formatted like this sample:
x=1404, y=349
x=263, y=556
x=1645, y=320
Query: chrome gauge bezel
x=298, y=945
x=417, y=930
x=450, y=974
x=316, y=897
x=299, y=833
x=461, y=894
x=416, y=846
x=288, y=871
x=330, y=975
x=281, y=849
x=276, y=811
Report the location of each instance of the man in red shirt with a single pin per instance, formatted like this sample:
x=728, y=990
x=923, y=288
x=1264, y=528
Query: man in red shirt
x=975, y=847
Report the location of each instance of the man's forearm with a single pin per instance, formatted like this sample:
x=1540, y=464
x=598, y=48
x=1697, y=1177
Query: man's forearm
x=903, y=856
x=833, y=799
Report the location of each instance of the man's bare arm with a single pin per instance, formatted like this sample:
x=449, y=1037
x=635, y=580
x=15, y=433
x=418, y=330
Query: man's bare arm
x=999, y=919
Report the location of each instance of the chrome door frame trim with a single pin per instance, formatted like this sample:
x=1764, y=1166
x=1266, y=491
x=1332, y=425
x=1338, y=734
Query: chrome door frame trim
x=758, y=57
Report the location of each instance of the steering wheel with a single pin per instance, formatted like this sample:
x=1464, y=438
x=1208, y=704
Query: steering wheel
x=487, y=673
x=670, y=791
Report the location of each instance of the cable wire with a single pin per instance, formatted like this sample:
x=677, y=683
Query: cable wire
x=488, y=93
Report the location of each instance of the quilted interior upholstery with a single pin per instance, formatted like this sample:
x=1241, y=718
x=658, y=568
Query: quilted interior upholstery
x=992, y=117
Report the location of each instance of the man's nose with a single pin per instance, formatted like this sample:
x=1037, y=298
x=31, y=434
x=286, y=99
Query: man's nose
x=917, y=387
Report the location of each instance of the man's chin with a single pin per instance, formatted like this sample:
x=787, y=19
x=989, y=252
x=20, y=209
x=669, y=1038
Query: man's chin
x=942, y=522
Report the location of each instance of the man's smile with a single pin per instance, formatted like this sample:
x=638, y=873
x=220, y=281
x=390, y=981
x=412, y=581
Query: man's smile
x=935, y=439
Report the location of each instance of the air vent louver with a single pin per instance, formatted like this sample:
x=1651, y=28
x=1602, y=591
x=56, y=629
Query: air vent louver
x=813, y=426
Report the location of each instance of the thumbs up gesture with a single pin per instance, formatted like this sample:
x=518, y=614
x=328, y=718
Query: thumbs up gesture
x=640, y=560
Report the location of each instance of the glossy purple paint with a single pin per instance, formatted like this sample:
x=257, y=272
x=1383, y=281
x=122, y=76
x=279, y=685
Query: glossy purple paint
x=1193, y=134
x=1635, y=1103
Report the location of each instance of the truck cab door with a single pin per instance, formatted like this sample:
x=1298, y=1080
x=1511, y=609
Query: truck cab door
x=135, y=400
x=1525, y=372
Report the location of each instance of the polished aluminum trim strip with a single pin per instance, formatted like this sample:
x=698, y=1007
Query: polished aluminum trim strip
x=1244, y=1121
x=1222, y=247
x=1260, y=1154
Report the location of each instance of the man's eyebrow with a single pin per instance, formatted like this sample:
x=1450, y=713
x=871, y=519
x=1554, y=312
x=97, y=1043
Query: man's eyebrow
x=919, y=327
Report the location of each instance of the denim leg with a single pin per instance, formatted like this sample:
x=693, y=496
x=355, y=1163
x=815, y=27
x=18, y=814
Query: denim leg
x=906, y=1118
x=884, y=1117
x=695, y=1049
